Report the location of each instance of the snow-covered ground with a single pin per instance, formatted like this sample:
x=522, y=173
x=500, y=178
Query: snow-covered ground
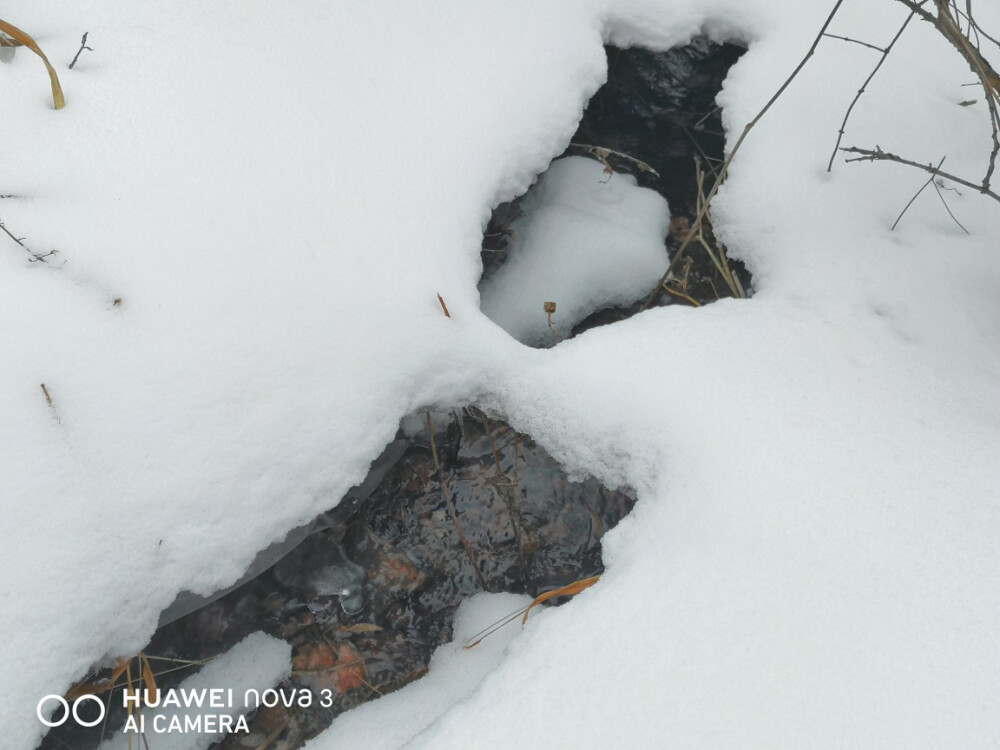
x=277, y=196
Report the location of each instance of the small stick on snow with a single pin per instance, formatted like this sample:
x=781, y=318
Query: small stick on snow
x=83, y=46
x=915, y=196
x=48, y=400
x=20, y=241
x=444, y=306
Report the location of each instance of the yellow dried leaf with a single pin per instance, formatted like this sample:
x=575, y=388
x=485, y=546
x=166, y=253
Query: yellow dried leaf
x=90, y=688
x=570, y=589
x=147, y=677
x=19, y=36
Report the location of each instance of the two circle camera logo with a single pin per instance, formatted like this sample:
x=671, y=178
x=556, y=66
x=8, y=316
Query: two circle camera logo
x=67, y=711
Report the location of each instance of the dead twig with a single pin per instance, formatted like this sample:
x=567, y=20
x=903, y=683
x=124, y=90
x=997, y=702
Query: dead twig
x=83, y=46
x=915, y=196
x=683, y=296
x=854, y=41
x=724, y=170
x=601, y=154
x=879, y=155
x=35, y=257
x=444, y=306
x=947, y=208
x=864, y=86
x=988, y=77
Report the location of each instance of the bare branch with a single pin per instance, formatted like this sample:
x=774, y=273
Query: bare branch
x=83, y=46
x=989, y=79
x=847, y=115
x=880, y=155
x=35, y=257
x=947, y=208
x=910, y=203
x=855, y=41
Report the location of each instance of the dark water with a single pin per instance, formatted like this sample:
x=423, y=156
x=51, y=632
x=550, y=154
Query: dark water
x=658, y=108
x=365, y=602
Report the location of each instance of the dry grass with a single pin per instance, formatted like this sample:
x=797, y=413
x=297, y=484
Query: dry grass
x=20, y=39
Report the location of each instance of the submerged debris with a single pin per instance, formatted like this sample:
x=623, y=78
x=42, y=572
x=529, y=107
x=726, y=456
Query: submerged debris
x=367, y=600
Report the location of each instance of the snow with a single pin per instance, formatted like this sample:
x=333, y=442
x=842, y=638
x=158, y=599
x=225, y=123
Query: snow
x=587, y=240
x=455, y=673
x=248, y=669
x=278, y=198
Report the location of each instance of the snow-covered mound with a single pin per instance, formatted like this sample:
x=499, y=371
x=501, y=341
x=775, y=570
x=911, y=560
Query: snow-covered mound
x=586, y=240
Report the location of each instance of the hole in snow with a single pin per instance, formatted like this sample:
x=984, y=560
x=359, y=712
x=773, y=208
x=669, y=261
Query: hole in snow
x=367, y=597
x=597, y=231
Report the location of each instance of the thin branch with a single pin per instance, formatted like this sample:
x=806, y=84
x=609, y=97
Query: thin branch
x=683, y=296
x=947, y=208
x=698, y=125
x=724, y=170
x=910, y=203
x=847, y=115
x=35, y=257
x=989, y=79
x=855, y=41
x=974, y=27
x=83, y=46
x=880, y=155
x=602, y=154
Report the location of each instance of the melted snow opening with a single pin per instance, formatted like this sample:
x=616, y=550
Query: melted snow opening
x=592, y=238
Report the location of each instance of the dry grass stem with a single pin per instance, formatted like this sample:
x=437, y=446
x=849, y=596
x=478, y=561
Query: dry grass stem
x=724, y=169
x=601, y=154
